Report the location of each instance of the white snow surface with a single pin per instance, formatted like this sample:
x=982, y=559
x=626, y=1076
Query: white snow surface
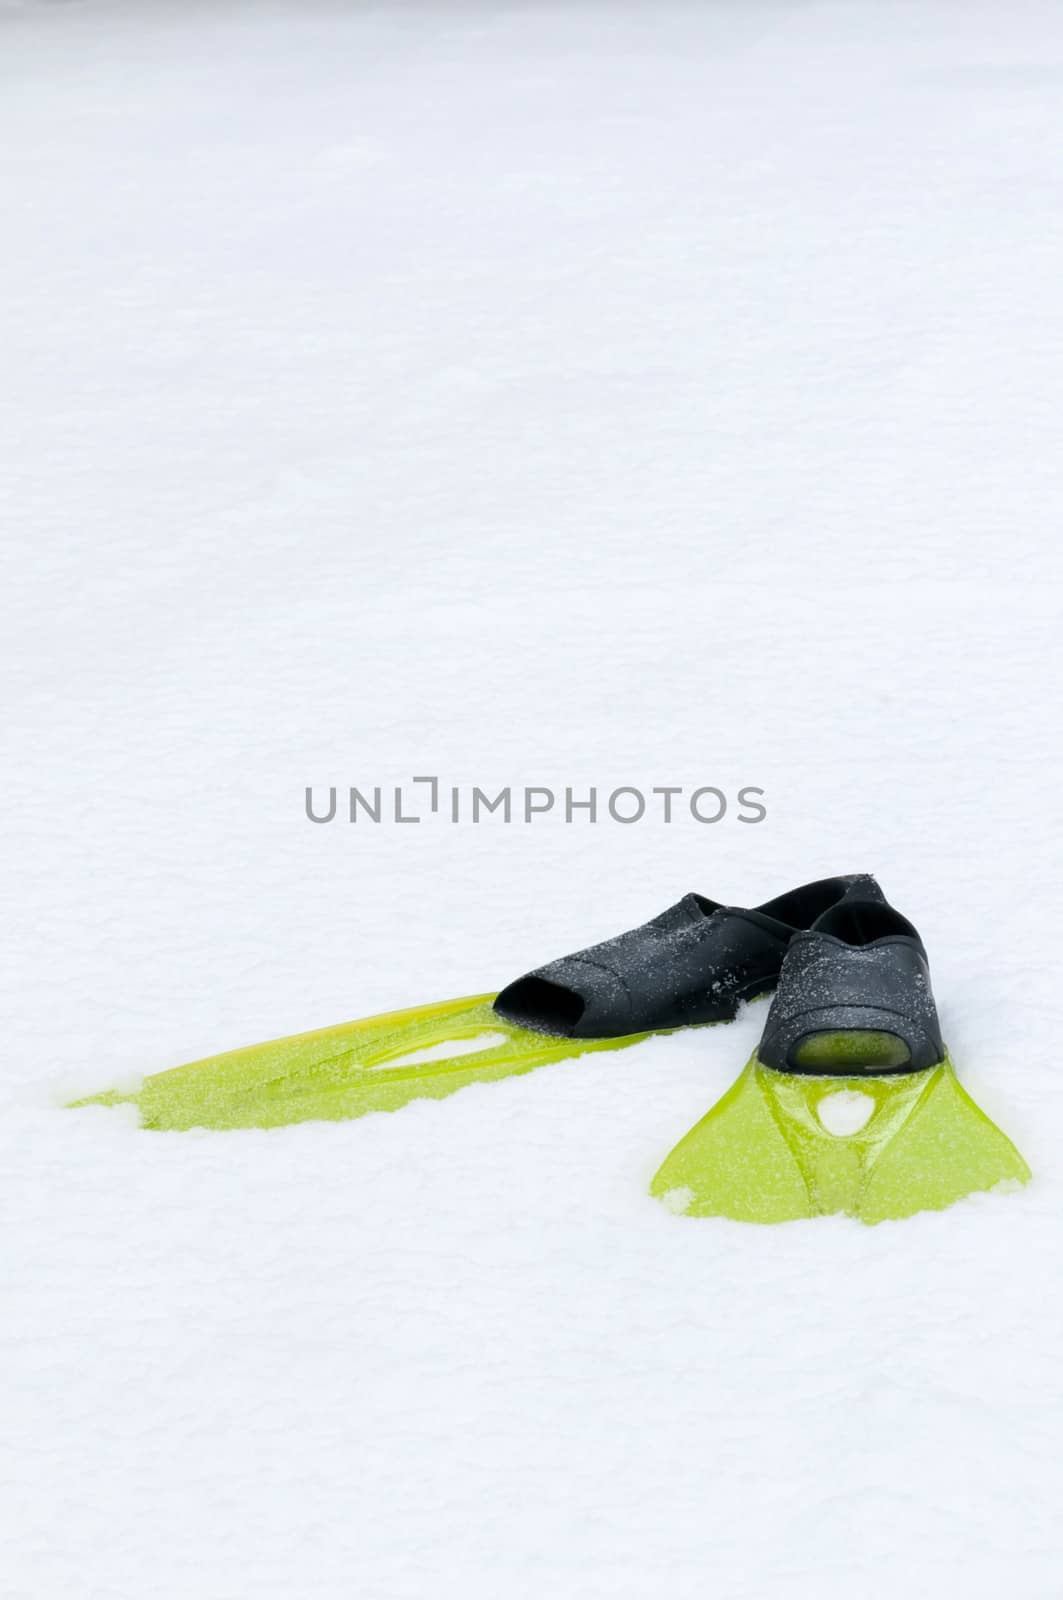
x=530, y=394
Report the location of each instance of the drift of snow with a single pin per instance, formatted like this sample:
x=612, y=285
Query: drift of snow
x=566, y=395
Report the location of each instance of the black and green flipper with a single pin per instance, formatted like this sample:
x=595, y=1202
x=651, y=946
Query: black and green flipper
x=692, y=965
x=850, y=1103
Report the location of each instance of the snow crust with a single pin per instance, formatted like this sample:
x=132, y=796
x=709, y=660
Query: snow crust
x=563, y=395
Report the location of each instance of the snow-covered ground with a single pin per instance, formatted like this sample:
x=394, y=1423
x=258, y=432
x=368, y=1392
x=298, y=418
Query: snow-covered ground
x=557, y=394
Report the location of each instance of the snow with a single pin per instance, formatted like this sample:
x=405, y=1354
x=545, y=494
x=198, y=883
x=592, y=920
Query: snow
x=539, y=395
x=846, y=1111
x=449, y=1049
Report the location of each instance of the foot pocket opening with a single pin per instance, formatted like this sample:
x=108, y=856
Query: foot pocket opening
x=853, y=1051
x=537, y=1003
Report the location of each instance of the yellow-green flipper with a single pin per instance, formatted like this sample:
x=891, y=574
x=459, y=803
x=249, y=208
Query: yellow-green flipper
x=850, y=1103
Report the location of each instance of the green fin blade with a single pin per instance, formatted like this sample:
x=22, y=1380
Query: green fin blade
x=902, y=1143
x=377, y=1064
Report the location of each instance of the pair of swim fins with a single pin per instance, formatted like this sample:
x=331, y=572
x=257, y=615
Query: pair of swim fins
x=849, y=1104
